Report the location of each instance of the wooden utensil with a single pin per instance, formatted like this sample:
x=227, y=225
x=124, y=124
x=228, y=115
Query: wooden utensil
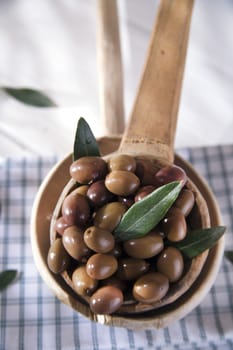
x=110, y=68
x=152, y=126
x=151, y=133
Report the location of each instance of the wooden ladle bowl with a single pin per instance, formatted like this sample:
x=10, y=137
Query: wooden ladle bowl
x=42, y=215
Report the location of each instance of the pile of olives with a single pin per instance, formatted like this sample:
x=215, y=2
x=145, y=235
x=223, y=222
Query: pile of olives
x=106, y=272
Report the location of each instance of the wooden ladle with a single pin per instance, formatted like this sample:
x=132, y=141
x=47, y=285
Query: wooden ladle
x=152, y=125
x=150, y=133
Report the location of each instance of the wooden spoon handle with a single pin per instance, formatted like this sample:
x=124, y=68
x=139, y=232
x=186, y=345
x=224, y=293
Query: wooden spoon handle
x=110, y=67
x=153, y=121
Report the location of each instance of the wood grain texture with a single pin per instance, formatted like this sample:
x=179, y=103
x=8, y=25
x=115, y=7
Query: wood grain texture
x=110, y=67
x=153, y=121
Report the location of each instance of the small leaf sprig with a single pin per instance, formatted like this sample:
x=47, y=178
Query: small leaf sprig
x=85, y=143
x=6, y=278
x=229, y=255
x=29, y=96
x=146, y=214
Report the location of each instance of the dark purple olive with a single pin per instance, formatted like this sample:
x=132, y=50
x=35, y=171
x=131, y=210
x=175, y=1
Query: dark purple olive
x=98, y=194
x=143, y=192
x=85, y=170
x=127, y=201
x=146, y=170
x=75, y=209
x=171, y=173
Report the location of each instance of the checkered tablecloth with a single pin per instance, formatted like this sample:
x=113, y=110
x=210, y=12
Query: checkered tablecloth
x=32, y=318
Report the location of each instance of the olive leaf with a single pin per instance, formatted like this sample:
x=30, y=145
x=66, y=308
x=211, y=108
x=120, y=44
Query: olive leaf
x=197, y=241
x=85, y=143
x=6, y=278
x=229, y=255
x=30, y=97
x=145, y=214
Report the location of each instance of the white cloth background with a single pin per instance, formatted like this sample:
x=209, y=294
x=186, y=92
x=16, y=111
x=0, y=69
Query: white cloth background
x=51, y=45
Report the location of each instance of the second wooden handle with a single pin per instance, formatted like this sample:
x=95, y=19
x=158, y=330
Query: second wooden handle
x=152, y=124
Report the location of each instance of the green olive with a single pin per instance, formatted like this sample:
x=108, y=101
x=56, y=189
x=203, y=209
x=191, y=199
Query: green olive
x=109, y=216
x=121, y=182
x=122, y=162
x=106, y=300
x=145, y=247
x=83, y=284
x=58, y=258
x=74, y=244
x=151, y=287
x=171, y=263
x=101, y=266
x=131, y=268
x=99, y=240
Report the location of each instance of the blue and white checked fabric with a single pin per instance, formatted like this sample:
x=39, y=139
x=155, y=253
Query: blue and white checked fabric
x=32, y=318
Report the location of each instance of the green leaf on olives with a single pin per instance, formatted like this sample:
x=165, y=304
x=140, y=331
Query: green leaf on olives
x=85, y=144
x=197, y=241
x=145, y=214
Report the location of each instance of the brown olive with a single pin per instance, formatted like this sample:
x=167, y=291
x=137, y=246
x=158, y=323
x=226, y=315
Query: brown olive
x=131, y=268
x=109, y=216
x=58, y=258
x=98, y=194
x=151, y=287
x=174, y=225
x=121, y=182
x=61, y=225
x=185, y=201
x=115, y=282
x=101, y=266
x=171, y=264
x=106, y=300
x=88, y=169
x=146, y=170
x=74, y=244
x=75, y=209
x=171, y=173
x=81, y=190
x=122, y=162
x=83, y=284
x=144, y=247
x=143, y=192
x=99, y=240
